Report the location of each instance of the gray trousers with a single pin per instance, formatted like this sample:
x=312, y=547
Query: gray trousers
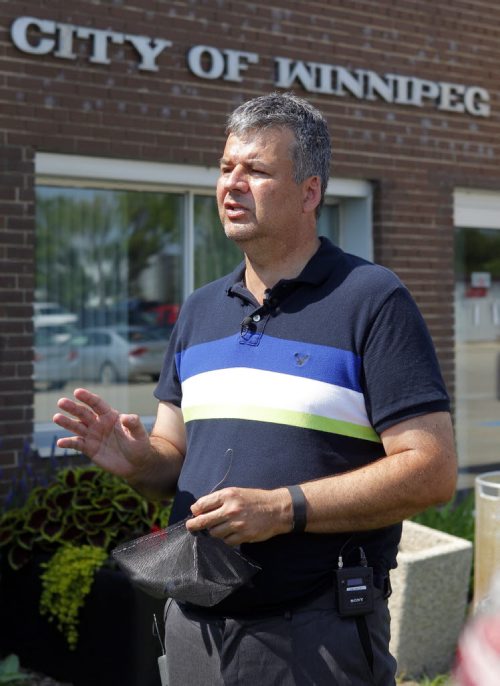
x=308, y=646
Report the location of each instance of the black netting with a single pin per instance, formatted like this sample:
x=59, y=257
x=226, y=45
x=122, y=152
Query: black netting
x=190, y=567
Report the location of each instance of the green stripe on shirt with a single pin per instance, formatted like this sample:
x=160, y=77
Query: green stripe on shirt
x=277, y=416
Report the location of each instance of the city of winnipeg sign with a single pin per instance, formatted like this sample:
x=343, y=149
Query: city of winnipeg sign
x=45, y=37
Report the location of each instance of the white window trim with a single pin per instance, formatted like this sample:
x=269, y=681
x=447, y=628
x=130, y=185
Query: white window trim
x=476, y=209
x=107, y=169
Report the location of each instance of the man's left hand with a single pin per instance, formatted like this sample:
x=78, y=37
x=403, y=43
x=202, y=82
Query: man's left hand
x=243, y=515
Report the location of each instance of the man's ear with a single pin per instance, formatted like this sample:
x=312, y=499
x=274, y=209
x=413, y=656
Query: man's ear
x=311, y=193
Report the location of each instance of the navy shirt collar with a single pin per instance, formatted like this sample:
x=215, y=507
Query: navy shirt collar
x=316, y=272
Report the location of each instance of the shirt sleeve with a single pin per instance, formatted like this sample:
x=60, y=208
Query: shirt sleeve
x=168, y=388
x=400, y=370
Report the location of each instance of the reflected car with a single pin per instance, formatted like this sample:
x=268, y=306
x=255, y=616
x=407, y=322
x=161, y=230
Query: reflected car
x=52, y=314
x=112, y=354
x=52, y=357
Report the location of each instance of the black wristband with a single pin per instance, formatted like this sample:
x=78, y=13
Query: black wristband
x=299, y=505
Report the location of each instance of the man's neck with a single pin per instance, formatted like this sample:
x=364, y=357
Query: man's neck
x=265, y=273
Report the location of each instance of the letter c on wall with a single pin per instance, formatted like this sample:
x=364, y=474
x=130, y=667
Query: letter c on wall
x=19, y=35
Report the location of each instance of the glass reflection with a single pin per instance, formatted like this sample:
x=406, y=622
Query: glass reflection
x=477, y=350
x=108, y=289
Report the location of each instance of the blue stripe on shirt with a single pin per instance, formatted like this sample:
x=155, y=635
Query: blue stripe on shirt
x=318, y=362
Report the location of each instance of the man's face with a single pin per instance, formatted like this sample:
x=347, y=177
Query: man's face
x=257, y=196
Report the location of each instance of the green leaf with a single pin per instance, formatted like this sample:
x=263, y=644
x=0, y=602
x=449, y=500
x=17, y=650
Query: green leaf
x=8, y=526
x=66, y=582
x=25, y=539
x=36, y=519
x=128, y=502
x=99, y=539
x=71, y=534
x=51, y=530
x=36, y=496
x=68, y=478
x=99, y=518
x=103, y=503
x=64, y=500
x=18, y=557
x=90, y=474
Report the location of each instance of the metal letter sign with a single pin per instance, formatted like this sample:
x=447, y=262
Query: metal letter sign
x=43, y=37
x=62, y=36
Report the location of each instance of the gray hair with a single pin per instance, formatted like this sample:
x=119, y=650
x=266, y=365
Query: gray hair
x=312, y=150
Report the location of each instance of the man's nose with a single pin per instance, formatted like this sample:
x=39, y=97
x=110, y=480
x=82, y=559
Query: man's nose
x=236, y=180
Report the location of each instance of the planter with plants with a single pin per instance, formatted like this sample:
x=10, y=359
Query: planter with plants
x=432, y=588
x=66, y=609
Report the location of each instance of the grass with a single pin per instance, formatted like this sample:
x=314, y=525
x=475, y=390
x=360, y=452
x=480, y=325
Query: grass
x=441, y=680
x=455, y=518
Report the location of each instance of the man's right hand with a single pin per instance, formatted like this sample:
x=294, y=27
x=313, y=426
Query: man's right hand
x=116, y=442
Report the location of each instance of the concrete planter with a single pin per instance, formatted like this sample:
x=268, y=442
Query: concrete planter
x=429, y=599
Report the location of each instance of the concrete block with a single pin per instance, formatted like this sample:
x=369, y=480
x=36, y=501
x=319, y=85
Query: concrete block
x=429, y=600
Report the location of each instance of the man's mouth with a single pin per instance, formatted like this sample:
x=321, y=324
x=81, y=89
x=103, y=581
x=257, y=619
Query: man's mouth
x=234, y=210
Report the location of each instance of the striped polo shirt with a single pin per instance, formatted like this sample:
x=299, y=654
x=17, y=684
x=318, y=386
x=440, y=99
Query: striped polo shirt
x=298, y=388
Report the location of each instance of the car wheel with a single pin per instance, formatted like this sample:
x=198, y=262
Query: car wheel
x=108, y=374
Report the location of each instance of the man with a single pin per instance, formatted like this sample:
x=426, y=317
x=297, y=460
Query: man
x=315, y=368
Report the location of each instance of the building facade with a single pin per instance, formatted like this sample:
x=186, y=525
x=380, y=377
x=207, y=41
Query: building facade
x=111, y=126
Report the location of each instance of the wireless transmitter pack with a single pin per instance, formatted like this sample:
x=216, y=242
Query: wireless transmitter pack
x=354, y=591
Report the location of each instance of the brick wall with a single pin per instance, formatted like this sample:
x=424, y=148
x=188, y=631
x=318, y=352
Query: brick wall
x=414, y=156
x=17, y=233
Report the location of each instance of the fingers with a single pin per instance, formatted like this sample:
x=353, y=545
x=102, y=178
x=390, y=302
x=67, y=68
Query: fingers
x=227, y=514
x=95, y=402
x=209, y=502
x=72, y=425
x=81, y=412
x=72, y=443
x=242, y=515
x=134, y=425
x=205, y=521
x=208, y=511
x=230, y=531
x=86, y=410
x=88, y=405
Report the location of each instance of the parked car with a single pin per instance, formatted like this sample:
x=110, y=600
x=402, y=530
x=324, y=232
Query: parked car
x=52, y=314
x=52, y=356
x=121, y=353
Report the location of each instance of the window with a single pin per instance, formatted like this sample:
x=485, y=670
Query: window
x=214, y=255
x=105, y=258
x=477, y=339
x=329, y=223
x=120, y=244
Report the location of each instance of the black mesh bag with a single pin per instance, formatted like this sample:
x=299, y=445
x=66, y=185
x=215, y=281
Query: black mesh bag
x=190, y=567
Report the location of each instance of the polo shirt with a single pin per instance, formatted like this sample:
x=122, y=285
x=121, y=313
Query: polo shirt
x=297, y=389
